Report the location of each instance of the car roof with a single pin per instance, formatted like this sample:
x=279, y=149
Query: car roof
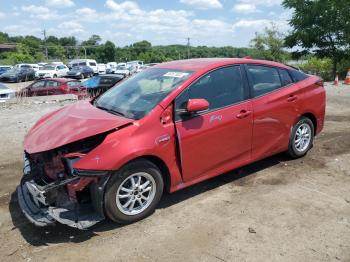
x=61, y=80
x=206, y=63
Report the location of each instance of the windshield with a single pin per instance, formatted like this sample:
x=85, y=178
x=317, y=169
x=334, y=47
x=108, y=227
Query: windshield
x=48, y=68
x=13, y=71
x=136, y=97
x=77, y=68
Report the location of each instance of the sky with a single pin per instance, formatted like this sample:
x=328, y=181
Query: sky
x=206, y=22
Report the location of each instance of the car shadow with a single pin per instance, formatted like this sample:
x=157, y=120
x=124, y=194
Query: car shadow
x=41, y=236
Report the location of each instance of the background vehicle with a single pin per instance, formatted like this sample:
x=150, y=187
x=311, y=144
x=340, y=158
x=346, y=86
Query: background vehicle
x=84, y=62
x=101, y=68
x=6, y=93
x=167, y=128
x=52, y=70
x=122, y=70
x=4, y=68
x=56, y=86
x=18, y=74
x=97, y=85
x=80, y=72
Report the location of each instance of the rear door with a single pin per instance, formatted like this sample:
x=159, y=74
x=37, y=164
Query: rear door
x=38, y=88
x=275, y=100
x=219, y=139
x=52, y=87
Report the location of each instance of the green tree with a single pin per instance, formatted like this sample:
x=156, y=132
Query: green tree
x=270, y=44
x=322, y=27
x=94, y=40
x=106, y=52
x=141, y=47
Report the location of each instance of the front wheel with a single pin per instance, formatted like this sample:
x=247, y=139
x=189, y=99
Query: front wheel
x=134, y=192
x=302, y=138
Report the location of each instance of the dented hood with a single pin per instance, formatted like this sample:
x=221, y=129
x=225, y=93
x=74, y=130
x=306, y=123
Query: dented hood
x=70, y=124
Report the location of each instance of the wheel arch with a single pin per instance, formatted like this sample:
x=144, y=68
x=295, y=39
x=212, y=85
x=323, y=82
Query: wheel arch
x=161, y=165
x=313, y=119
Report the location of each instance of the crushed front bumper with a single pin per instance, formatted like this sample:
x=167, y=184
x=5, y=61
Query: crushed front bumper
x=33, y=202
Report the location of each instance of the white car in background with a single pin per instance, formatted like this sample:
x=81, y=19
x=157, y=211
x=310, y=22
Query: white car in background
x=101, y=68
x=84, y=62
x=122, y=70
x=52, y=71
x=6, y=93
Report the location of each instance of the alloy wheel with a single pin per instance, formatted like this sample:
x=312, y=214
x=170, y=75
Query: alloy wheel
x=136, y=193
x=302, y=137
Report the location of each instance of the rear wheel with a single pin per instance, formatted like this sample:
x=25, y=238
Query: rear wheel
x=302, y=138
x=54, y=76
x=82, y=76
x=134, y=192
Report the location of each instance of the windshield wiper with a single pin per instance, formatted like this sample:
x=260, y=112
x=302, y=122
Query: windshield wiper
x=112, y=111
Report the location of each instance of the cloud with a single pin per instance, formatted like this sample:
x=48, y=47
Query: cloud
x=203, y=4
x=71, y=26
x=124, y=6
x=39, y=12
x=60, y=3
x=86, y=11
x=261, y=2
x=245, y=8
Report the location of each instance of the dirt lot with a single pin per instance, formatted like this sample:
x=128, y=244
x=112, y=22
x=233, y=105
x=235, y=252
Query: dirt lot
x=273, y=210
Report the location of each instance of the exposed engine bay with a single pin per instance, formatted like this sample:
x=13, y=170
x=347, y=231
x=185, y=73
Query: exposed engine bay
x=52, y=190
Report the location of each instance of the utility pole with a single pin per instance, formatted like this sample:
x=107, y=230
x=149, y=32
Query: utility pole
x=188, y=47
x=46, y=54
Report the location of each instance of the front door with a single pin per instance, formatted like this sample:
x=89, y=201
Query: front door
x=220, y=138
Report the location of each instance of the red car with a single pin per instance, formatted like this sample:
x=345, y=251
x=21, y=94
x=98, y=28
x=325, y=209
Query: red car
x=165, y=128
x=53, y=86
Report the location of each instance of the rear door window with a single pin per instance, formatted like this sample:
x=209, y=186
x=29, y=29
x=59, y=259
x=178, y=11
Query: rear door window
x=92, y=63
x=39, y=84
x=285, y=77
x=263, y=79
x=298, y=75
x=51, y=83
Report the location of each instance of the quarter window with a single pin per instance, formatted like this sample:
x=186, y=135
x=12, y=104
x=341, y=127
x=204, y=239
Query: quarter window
x=263, y=79
x=220, y=88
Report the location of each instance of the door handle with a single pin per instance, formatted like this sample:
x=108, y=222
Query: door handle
x=292, y=98
x=243, y=114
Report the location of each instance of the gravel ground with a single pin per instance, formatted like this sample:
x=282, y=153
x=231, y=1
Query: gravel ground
x=274, y=210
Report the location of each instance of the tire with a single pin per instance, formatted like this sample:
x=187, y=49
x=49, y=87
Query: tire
x=82, y=76
x=55, y=76
x=299, y=149
x=122, y=179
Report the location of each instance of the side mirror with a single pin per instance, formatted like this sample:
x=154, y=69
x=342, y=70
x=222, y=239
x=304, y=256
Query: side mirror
x=196, y=105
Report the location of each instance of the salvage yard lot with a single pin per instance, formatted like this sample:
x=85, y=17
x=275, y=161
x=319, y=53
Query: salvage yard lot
x=274, y=210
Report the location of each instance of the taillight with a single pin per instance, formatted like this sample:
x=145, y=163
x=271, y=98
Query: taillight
x=319, y=82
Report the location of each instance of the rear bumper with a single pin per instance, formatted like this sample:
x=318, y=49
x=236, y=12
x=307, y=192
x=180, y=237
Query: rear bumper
x=34, y=205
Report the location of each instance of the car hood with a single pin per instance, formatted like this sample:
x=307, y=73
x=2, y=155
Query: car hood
x=122, y=71
x=45, y=71
x=69, y=124
x=7, y=74
x=6, y=91
x=73, y=72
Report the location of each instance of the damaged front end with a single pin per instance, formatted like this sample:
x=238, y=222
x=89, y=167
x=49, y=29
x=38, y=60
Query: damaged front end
x=52, y=190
